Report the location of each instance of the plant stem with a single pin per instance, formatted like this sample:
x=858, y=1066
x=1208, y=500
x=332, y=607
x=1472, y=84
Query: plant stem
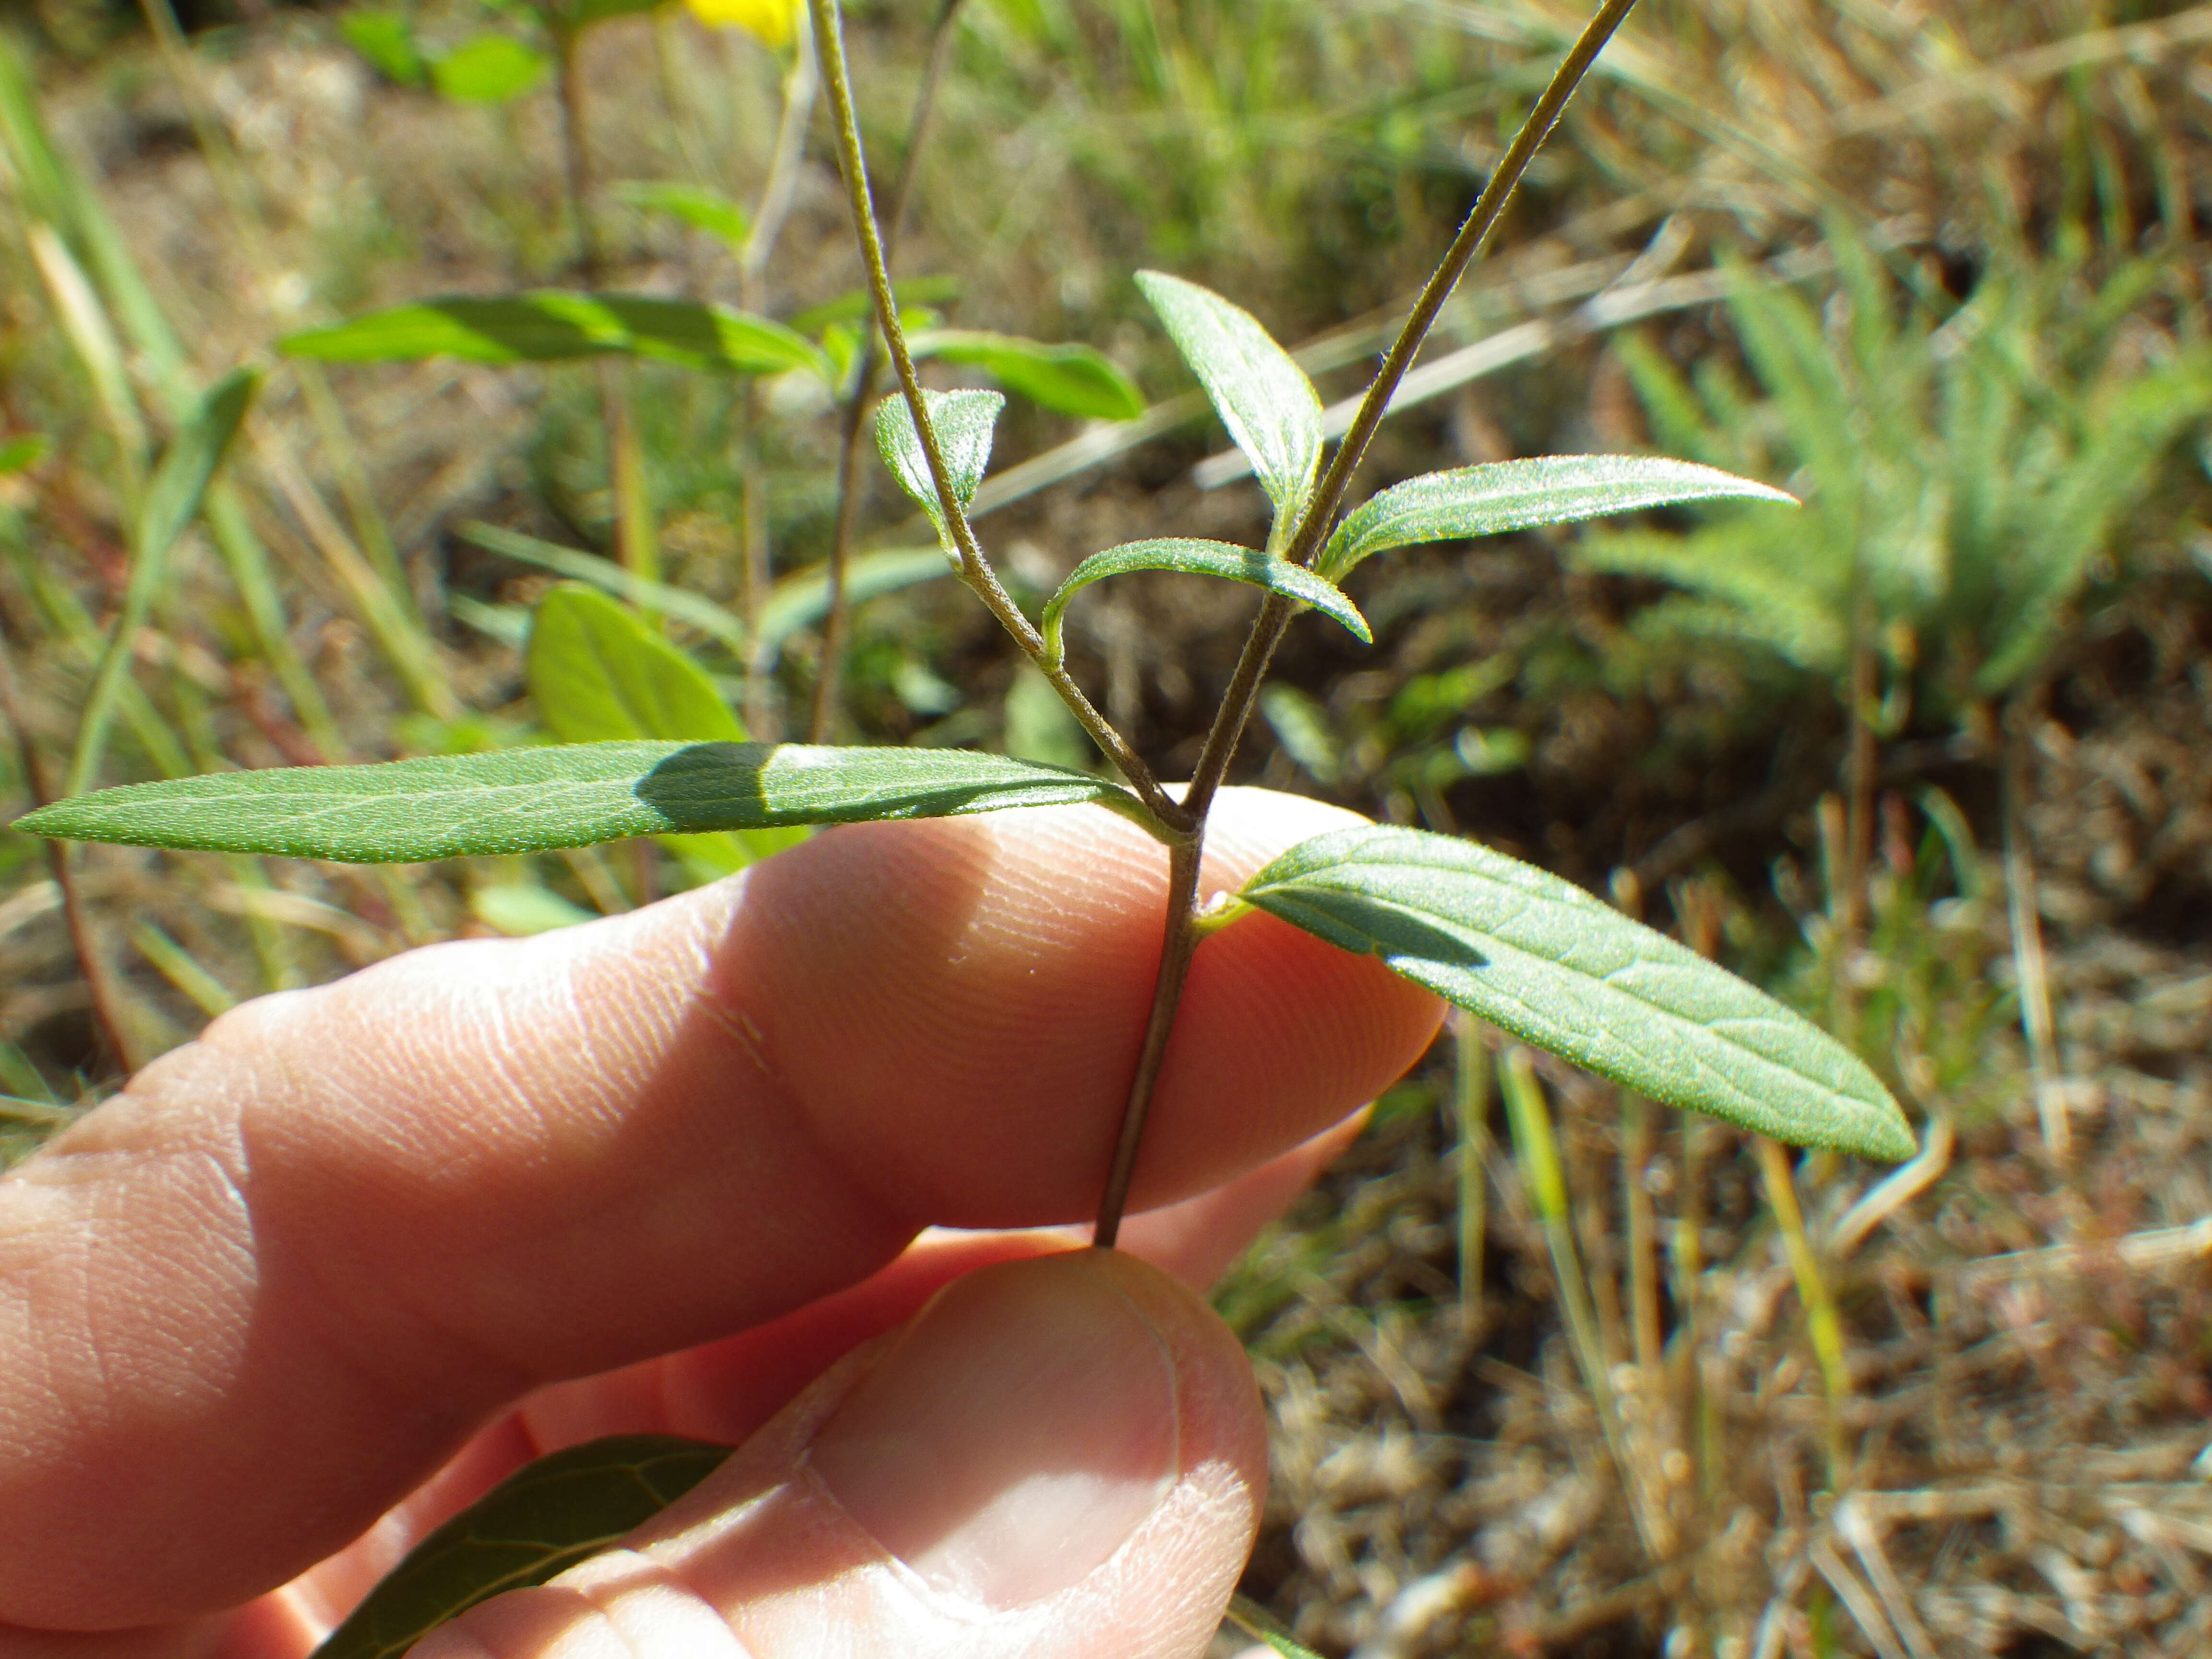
x=828, y=683
x=91, y=966
x=575, y=154
x=1171, y=821
x=1275, y=613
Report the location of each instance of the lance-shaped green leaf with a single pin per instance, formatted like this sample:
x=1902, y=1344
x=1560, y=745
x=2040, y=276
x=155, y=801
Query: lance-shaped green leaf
x=1486, y=501
x=1069, y=380
x=598, y=674
x=1264, y=400
x=553, y=326
x=533, y=801
x=701, y=208
x=1198, y=558
x=534, y=1525
x=963, y=422
x=1561, y=970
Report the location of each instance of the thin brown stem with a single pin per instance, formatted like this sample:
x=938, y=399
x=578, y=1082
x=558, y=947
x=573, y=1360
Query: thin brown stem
x=1177, y=949
x=837, y=623
x=575, y=154
x=100, y=986
x=1171, y=820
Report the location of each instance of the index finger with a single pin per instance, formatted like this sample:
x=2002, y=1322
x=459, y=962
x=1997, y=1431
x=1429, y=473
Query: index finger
x=246, y=1307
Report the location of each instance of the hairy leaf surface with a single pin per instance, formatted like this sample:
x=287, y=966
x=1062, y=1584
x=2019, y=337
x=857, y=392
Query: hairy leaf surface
x=529, y=800
x=534, y=1525
x=1485, y=501
x=1558, y=969
x=1070, y=380
x=552, y=325
x=1200, y=558
x=1264, y=400
x=963, y=422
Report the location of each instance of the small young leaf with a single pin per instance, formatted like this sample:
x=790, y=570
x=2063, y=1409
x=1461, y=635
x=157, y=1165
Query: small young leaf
x=492, y=69
x=532, y=801
x=1264, y=399
x=1068, y=379
x=1238, y=564
x=387, y=41
x=534, y=1525
x=597, y=674
x=701, y=209
x=1563, y=971
x=963, y=421
x=27, y=451
x=552, y=326
x=1485, y=501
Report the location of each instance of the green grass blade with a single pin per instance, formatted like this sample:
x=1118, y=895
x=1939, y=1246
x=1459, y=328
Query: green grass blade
x=1201, y=558
x=172, y=500
x=1270, y=408
x=526, y=800
x=679, y=605
x=1567, y=973
x=1485, y=501
x=1068, y=379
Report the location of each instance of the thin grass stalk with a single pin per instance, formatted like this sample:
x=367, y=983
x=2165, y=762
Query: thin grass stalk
x=108, y=1008
x=1471, y=1072
x=2023, y=913
x=1537, y=1150
x=836, y=624
x=232, y=183
x=1641, y=1224
x=801, y=85
x=1822, y=1323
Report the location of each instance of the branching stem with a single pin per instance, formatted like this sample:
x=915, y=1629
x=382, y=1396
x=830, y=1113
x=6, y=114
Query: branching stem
x=1181, y=824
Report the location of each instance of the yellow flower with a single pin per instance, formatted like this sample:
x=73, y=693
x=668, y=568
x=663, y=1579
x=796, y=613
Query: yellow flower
x=771, y=21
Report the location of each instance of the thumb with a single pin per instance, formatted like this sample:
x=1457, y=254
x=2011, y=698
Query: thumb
x=1058, y=1458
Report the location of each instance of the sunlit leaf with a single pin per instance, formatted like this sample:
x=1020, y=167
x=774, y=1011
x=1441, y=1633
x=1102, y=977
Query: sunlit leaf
x=529, y=800
x=597, y=674
x=27, y=451
x=534, y=1525
x=1485, y=501
x=1198, y=558
x=701, y=208
x=963, y=422
x=1563, y=971
x=387, y=41
x=492, y=69
x=1069, y=380
x=523, y=909
x=1264, y=399
x=553, y=326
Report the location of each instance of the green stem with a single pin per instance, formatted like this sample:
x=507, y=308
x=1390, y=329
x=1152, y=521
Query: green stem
x=828, y=682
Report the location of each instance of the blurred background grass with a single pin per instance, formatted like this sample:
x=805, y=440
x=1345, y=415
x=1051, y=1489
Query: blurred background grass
x=1927, y=759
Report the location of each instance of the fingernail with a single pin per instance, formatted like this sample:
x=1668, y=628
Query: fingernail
x=1016, y=1433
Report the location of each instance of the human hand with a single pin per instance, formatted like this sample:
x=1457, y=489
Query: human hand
x=362, y=1251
